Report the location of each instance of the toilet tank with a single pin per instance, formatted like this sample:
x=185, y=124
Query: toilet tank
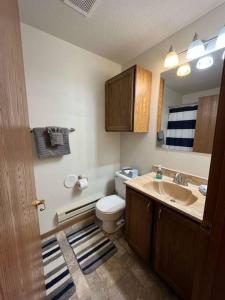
x=120, y=185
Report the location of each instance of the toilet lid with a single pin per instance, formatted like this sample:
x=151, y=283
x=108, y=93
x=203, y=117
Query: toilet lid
x=110, y=204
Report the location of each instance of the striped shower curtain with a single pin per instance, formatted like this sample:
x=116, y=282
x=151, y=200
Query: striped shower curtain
x=181, y=128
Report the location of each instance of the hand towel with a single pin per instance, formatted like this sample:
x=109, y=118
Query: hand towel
x=56, y=136
x=43, y=143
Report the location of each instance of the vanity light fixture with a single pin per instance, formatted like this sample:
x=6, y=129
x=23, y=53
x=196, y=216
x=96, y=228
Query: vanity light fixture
x=205, y=62
x=184, y=70
x=220, y=42
x=172, y=59
x=196, y=48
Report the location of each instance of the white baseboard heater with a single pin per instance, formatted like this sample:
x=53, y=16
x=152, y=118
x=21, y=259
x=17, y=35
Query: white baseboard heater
x=74, y=212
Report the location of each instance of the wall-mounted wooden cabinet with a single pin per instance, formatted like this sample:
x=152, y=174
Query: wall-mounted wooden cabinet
x=127, y=101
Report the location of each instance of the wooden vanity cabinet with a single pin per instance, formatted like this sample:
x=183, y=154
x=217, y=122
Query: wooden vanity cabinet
x=139, y=217
x=127, y=101
x=175, y=249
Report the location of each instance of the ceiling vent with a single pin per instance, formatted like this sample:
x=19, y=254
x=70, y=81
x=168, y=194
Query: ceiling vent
x=84, y=7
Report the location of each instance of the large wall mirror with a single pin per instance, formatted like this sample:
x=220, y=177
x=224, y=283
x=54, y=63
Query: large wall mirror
x=188, y=106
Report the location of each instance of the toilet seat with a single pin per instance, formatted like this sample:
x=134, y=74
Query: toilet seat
x=110, y=204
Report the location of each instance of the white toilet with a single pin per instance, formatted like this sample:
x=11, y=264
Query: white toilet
x=111, y=208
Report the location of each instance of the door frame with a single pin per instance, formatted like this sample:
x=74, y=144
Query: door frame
x=212, y=229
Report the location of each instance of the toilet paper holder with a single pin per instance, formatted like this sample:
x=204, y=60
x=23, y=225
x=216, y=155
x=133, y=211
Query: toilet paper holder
x=79, y=184
x=81, y=177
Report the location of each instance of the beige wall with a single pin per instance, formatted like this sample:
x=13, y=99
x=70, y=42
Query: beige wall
x=170, y=98
x=140, y=150
x=65, y=87
x=194, y=97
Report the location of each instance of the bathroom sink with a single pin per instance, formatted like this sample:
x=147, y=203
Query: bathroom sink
x=171, y=192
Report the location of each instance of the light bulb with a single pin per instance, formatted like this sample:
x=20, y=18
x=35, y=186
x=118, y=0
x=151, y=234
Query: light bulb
x=205, y=62
x=220, y=42
x=184, y=70
x=196, y=49
x=172, y=59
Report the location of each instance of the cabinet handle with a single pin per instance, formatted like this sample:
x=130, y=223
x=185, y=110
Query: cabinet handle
x=159, y=213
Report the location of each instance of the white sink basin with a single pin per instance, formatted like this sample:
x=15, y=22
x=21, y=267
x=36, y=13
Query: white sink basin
x=171, y=192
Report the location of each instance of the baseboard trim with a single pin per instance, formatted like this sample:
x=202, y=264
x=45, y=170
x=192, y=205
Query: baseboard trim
x=67, y=224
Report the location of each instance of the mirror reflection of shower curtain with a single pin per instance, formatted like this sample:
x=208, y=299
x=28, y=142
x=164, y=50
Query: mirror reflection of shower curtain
x=181, y=128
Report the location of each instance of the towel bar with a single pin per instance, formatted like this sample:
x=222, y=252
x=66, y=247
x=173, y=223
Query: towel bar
x=70, y=130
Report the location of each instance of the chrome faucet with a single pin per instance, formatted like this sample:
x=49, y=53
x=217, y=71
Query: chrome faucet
x=179, y=178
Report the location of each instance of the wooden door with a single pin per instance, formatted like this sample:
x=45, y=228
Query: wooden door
x=139, y=223
x=21, y=274
x=175, y=250
x=119, y=94
x=205, y=124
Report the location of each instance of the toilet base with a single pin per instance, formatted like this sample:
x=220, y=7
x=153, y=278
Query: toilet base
x=110, y=211
x=112, y=226
x=109, y=226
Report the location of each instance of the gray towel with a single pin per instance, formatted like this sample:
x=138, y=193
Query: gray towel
x=43, y=143
x=56, y=136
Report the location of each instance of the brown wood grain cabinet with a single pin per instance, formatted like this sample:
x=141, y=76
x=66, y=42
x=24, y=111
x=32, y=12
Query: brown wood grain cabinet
x=175, y=249
x=165, y=238
x=127, y=101
x=139, y=223
x=205, y=124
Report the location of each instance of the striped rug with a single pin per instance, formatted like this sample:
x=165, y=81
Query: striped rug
x=91, y=246
x=58, y=281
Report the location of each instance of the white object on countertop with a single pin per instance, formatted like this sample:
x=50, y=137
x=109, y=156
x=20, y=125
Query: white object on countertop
x=129, y=172
x=203, y=189
x=70, y=181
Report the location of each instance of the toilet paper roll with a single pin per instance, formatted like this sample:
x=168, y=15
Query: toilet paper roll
x=82, y=183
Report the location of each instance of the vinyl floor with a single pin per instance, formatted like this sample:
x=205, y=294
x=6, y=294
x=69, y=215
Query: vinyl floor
x=123, y=276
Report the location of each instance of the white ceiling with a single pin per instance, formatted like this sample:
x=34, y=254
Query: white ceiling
x=118, y=29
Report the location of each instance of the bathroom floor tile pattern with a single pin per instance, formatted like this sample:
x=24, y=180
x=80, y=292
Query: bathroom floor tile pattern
x=123, y=276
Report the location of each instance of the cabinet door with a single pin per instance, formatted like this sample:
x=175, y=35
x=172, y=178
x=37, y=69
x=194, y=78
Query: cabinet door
x=205, y=124
x=139, y=223
x=175, y=244
x=119, y=93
